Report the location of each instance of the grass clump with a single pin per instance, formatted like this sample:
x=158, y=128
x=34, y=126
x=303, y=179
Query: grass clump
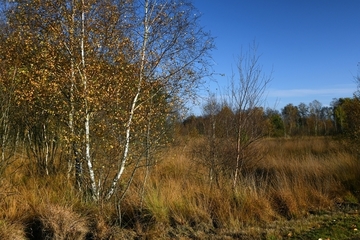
x=12, y=230
x=56, y=222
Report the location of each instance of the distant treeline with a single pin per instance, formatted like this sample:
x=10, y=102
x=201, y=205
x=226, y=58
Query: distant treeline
x=342, y=117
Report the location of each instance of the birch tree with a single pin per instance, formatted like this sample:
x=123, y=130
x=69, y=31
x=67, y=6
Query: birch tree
x=9, y=71
x=211, y=109
x=315, y=113
x=172, y=50
x=105, y=70
x=33, y=93
x=247, y=93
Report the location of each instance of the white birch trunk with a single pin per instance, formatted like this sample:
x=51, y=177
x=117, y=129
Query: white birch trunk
x=133, y=105
x=95, y=193
x=238, y=158
x=75, y=161
x=5, y=135
x=4, y=121
x=46, y=151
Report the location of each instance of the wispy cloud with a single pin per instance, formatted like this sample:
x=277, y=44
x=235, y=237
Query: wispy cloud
x=278, y=98
x=304, y=92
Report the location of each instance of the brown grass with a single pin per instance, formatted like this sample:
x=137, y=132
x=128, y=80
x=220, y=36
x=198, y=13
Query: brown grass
x=296, y=178
x=56, y=222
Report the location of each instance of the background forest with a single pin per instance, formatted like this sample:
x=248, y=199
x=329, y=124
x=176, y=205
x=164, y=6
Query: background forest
x=94, y=143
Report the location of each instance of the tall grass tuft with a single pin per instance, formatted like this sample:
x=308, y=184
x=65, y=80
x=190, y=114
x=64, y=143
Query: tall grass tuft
x=56, y=222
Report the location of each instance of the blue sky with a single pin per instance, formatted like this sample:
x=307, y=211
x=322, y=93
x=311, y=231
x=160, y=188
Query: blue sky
x=311, y=46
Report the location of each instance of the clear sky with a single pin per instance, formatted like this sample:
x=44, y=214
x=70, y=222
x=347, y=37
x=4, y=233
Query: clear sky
x=312, y=46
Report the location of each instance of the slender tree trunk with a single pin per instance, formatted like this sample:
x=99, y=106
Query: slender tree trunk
x=94, y=189
x=147, y=159
x=238, y=157
x=134, y=102
x=5, y=125
x=5, y=132
x=212, y=172
x=47, y=151
x=73, y=150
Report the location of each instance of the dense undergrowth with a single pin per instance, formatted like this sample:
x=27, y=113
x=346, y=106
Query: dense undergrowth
x=296, y=180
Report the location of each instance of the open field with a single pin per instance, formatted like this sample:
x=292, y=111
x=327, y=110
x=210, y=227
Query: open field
x=302, y=188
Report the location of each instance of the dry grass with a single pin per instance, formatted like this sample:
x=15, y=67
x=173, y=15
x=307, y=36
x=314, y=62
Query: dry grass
x=14, y=231
x=296, y=178
x=56, y=222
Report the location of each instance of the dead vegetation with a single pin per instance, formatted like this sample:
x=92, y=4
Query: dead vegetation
x=296, y=179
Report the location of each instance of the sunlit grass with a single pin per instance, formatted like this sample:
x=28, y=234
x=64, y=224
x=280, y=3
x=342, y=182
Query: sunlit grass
x=296, y=179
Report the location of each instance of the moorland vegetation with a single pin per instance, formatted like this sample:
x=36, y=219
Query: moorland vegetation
x=94, y=144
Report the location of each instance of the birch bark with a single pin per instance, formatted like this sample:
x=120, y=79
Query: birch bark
x=128, y=132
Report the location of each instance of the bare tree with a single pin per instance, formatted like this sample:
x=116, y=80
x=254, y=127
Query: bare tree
x=247, y=95
x=211, y=110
